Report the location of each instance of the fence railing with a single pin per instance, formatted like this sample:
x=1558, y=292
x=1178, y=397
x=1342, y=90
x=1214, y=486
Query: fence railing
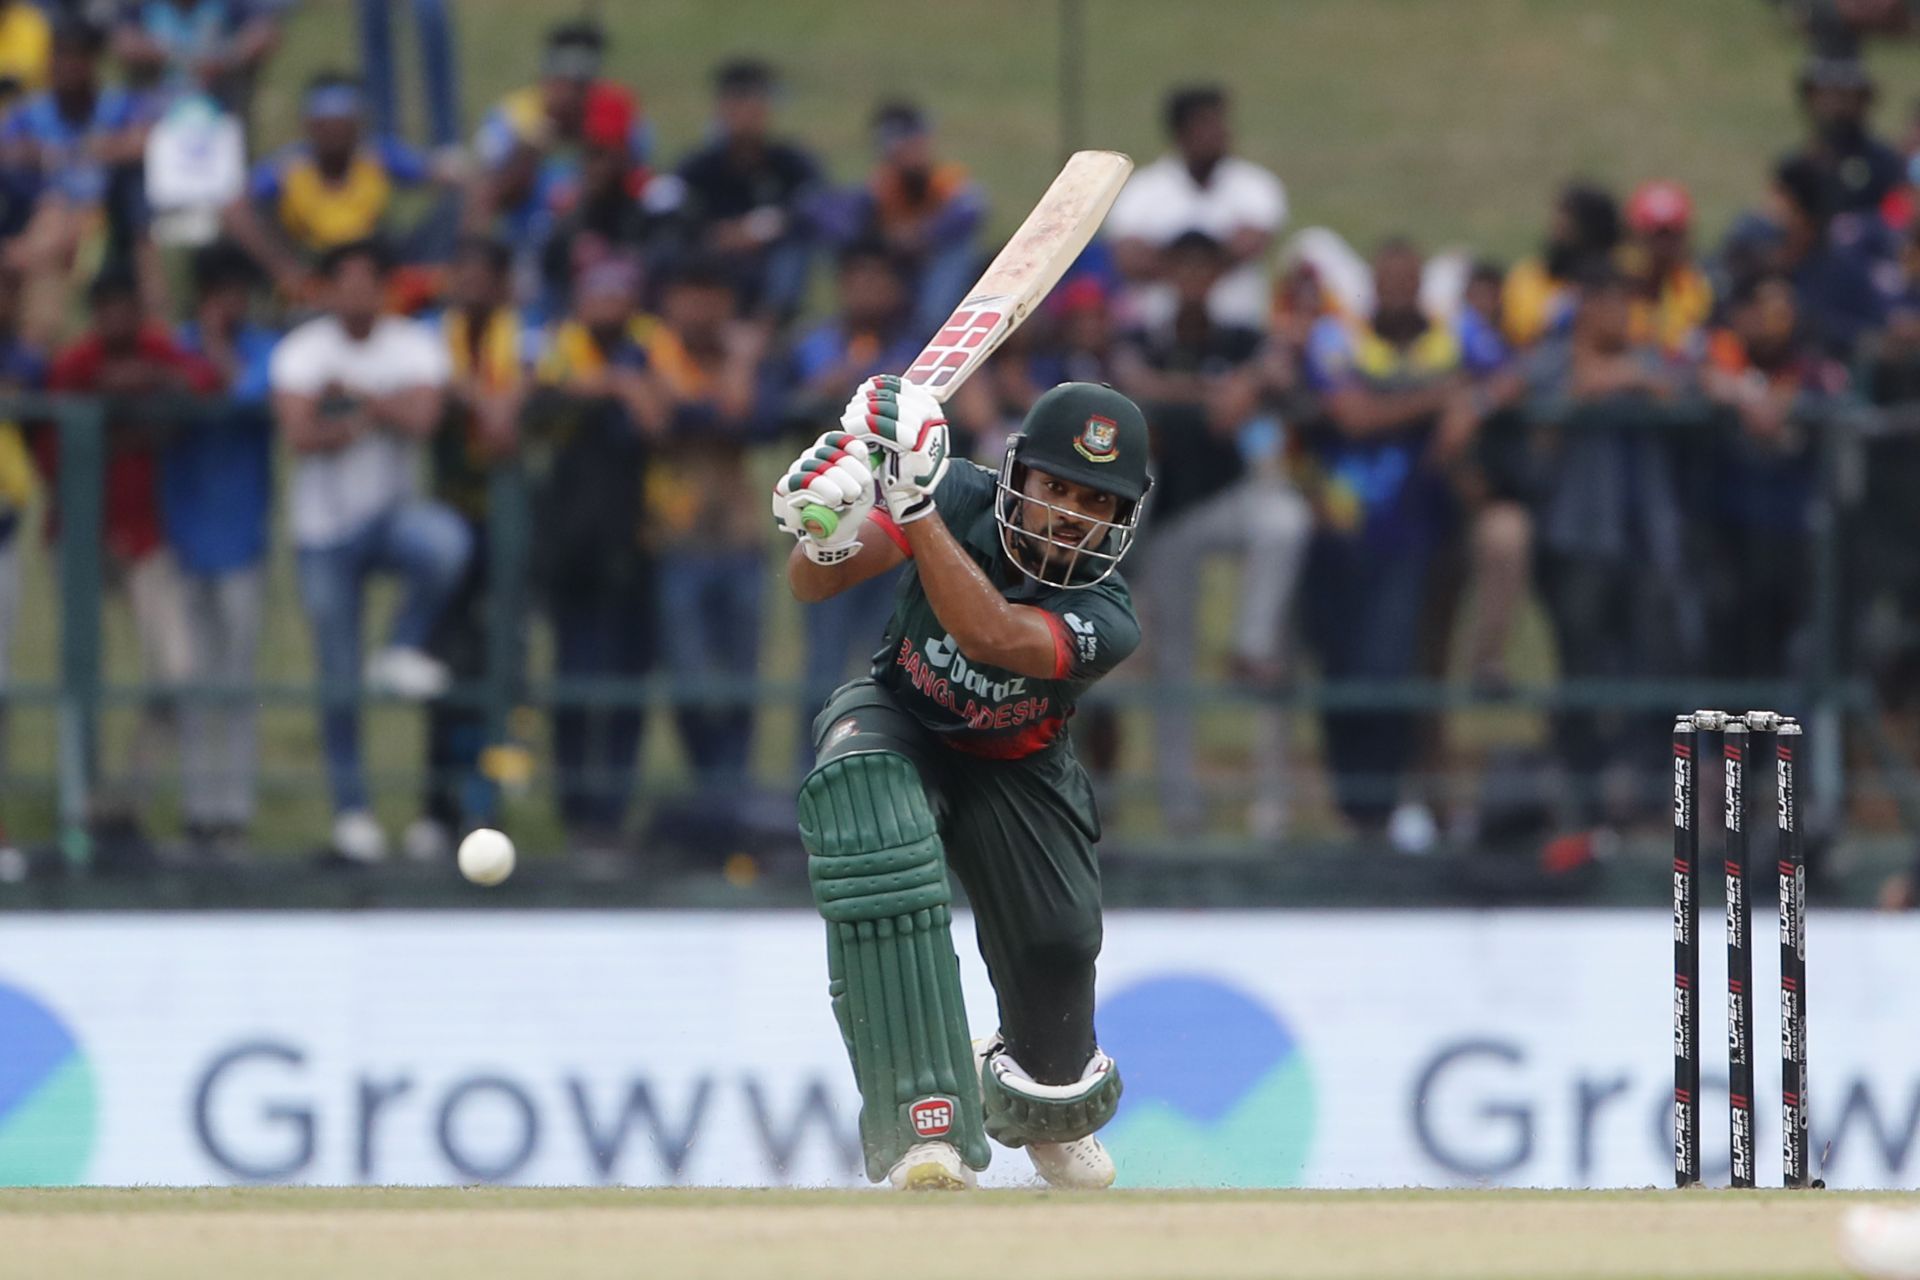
x=1825, y=690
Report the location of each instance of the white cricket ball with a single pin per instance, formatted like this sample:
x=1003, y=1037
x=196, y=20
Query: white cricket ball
x=486, y=856
x=1881, y=1241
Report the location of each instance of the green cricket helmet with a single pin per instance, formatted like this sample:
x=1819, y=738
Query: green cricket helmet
x=1089, y=434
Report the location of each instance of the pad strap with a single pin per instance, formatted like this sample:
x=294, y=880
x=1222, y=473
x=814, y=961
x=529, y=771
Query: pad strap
x=1020, y=1110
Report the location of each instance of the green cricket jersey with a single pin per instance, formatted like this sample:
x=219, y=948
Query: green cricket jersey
x=985, y=710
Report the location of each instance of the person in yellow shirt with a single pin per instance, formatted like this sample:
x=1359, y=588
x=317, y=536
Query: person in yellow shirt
x=712, y=551
x=26, y=44
x=1539, y=297
x=588, y=431
x=1673, y=297
x=335, y=187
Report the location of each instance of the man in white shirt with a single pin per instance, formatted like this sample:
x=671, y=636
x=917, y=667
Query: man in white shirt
x=1198, y=187
x=356, y=392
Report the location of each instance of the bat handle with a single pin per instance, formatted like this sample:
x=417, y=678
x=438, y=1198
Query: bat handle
x=818, y=520
x=822, y=521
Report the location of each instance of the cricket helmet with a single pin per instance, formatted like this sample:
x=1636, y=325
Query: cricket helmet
x=1089, y=434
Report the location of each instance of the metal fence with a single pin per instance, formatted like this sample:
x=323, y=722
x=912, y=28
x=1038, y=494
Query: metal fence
x=1828, y=691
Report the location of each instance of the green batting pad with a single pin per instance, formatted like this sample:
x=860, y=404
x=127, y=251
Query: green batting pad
x=880, y=879
x=1019, y=1112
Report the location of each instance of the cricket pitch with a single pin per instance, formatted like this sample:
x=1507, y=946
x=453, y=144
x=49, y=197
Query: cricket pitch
x=427, y=1234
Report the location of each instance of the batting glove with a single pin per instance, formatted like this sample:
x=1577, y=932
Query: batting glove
x=910, y=429
x=835, y=473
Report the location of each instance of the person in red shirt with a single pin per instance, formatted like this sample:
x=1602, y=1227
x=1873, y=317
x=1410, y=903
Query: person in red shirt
x=134, y=363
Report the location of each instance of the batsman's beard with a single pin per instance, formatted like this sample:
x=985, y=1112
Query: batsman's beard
x=1031, y=532
x=1059, y=547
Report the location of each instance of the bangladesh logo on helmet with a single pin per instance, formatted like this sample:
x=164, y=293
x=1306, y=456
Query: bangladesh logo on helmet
x=1099, y=440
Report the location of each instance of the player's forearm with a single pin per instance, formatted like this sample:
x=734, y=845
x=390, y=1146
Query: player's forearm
x=812, y=582
x=985, y=625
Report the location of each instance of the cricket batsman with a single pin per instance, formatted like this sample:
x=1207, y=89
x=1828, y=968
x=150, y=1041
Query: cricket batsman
x=954, y=752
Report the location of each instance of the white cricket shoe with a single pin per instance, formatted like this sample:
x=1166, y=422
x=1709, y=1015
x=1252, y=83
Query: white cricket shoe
x=1080, y=1165
x=357, y=836
x=1881, y=1242
x=931, y=1166
x=413, y=674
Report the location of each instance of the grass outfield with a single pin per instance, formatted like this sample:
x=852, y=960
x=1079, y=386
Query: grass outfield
x=425, y=1234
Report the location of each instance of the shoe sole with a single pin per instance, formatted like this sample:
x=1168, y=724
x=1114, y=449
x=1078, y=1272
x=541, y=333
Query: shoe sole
x=932, y=1177
x=1066, y=1185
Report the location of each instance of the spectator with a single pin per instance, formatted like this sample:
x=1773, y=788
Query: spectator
x=925, y=210
x=747, y=195
x=1609, y=520
x=1775, y=383
x=433, y=32
x=356, y=392
x=867, y=335
x=78, y=146
x=613, y=214
x=130, y=359
x=1199, y=382
x=1085, y=350
x=1891, y=357
x=492, y=352
x=595, y=421
x=21, y=369
x=1675, y=297
x=1198, y=187
x=216, y=485
x=1482, y=296
x=25, y=46
x=1838, y=26
x=335, y=188
x=548, y=148
x=1480, y=440
x=191, y=46
x=1582, y=235
x=1859, y=170
x=701, y=515
x=1385, y=382
x=1838, y=301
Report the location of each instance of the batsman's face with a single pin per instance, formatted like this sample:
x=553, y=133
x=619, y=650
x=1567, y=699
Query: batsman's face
x=1063, y=515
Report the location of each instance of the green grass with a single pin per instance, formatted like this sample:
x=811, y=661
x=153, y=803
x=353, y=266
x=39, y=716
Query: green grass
x=1453, y=119
x=796, y=1235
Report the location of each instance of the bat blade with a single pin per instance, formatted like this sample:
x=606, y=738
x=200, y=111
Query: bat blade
x=1023, y=272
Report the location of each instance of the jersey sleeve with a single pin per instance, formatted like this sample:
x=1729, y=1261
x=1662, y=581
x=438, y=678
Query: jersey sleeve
x=404, y=165
x=1094, y=631
x=296, y=366
x=1329, y=356
x=965, y=493
x=265, y=184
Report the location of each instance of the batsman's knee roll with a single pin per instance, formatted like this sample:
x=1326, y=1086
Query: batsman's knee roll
x=879, y=879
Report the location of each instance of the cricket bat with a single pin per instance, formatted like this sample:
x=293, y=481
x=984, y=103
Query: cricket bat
x=1022, y=274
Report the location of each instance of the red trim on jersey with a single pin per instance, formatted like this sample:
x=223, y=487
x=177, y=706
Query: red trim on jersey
x=885, y=524
x=1062, y=645
x=1031, y=738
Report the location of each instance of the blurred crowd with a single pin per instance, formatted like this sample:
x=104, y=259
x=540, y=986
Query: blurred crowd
x=1392, y=448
